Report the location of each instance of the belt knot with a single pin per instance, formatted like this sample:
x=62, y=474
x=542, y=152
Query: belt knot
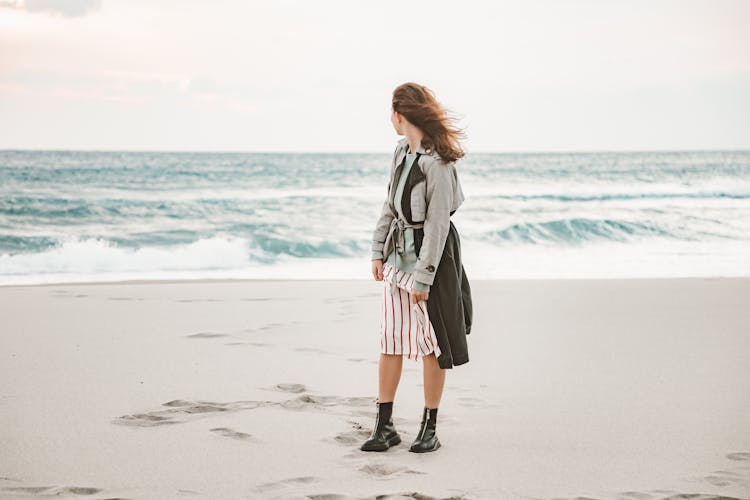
x=396, y=231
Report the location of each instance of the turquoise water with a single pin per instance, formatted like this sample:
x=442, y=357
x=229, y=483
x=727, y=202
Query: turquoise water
x=71, y=216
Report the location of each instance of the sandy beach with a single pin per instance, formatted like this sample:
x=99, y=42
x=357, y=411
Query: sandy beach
x=633, y=389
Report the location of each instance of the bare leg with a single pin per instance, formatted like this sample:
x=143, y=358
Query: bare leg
x=389, y=376
x=434, y=380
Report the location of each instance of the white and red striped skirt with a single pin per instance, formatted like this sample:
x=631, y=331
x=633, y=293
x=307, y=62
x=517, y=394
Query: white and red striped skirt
x=405, y=328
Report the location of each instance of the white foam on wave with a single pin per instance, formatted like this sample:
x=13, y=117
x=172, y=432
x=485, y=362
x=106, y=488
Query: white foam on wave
x=94, y=255
x=229, y=258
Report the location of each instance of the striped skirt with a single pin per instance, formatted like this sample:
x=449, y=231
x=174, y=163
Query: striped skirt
x=405, y=328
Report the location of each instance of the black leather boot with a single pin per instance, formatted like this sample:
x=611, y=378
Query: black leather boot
x=426, y=439
x=384, y=434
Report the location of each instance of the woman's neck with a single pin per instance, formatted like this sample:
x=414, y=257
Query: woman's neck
x=414, y=139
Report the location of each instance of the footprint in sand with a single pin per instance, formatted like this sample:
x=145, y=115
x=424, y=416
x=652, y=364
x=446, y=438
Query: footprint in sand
x=291, y=387
x=53, y=490
x=726, y=478
x=256, y=344
x=308, y=400
x=356, y=435
x=180, y=410
x=270, y=326
x=387, y=469
x=31, y=490
x=406, y=495
x=638, y=495
x=68, y=294
x=206, y=335
x=231, y=433
x=292, y=481
x=580, y=497
x=698, y=496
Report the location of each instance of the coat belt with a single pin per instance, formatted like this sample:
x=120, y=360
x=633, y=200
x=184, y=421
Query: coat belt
x=396, y=233
x=395, y=239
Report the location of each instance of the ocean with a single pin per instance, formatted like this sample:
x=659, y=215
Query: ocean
x=76, y=216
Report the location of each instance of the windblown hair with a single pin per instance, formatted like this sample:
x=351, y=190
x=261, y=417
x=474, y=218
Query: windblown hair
x=419, y=106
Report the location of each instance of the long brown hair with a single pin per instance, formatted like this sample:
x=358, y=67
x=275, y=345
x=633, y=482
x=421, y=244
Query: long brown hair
x=419, y=105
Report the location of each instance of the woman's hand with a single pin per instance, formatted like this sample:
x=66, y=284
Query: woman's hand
x=377, y=269
x=417, y=295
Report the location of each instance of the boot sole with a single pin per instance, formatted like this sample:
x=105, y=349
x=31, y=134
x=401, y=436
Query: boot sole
x=391, y=442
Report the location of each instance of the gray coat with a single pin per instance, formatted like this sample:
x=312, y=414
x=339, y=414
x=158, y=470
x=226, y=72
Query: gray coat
x=432, y=193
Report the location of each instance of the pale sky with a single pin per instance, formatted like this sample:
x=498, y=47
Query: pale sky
x=318, y=75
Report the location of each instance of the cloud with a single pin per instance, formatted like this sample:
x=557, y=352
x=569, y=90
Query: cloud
x=64, y=8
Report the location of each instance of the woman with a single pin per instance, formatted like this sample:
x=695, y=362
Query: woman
x=416, y=252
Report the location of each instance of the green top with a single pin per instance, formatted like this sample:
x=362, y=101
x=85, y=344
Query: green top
x=408, y=261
